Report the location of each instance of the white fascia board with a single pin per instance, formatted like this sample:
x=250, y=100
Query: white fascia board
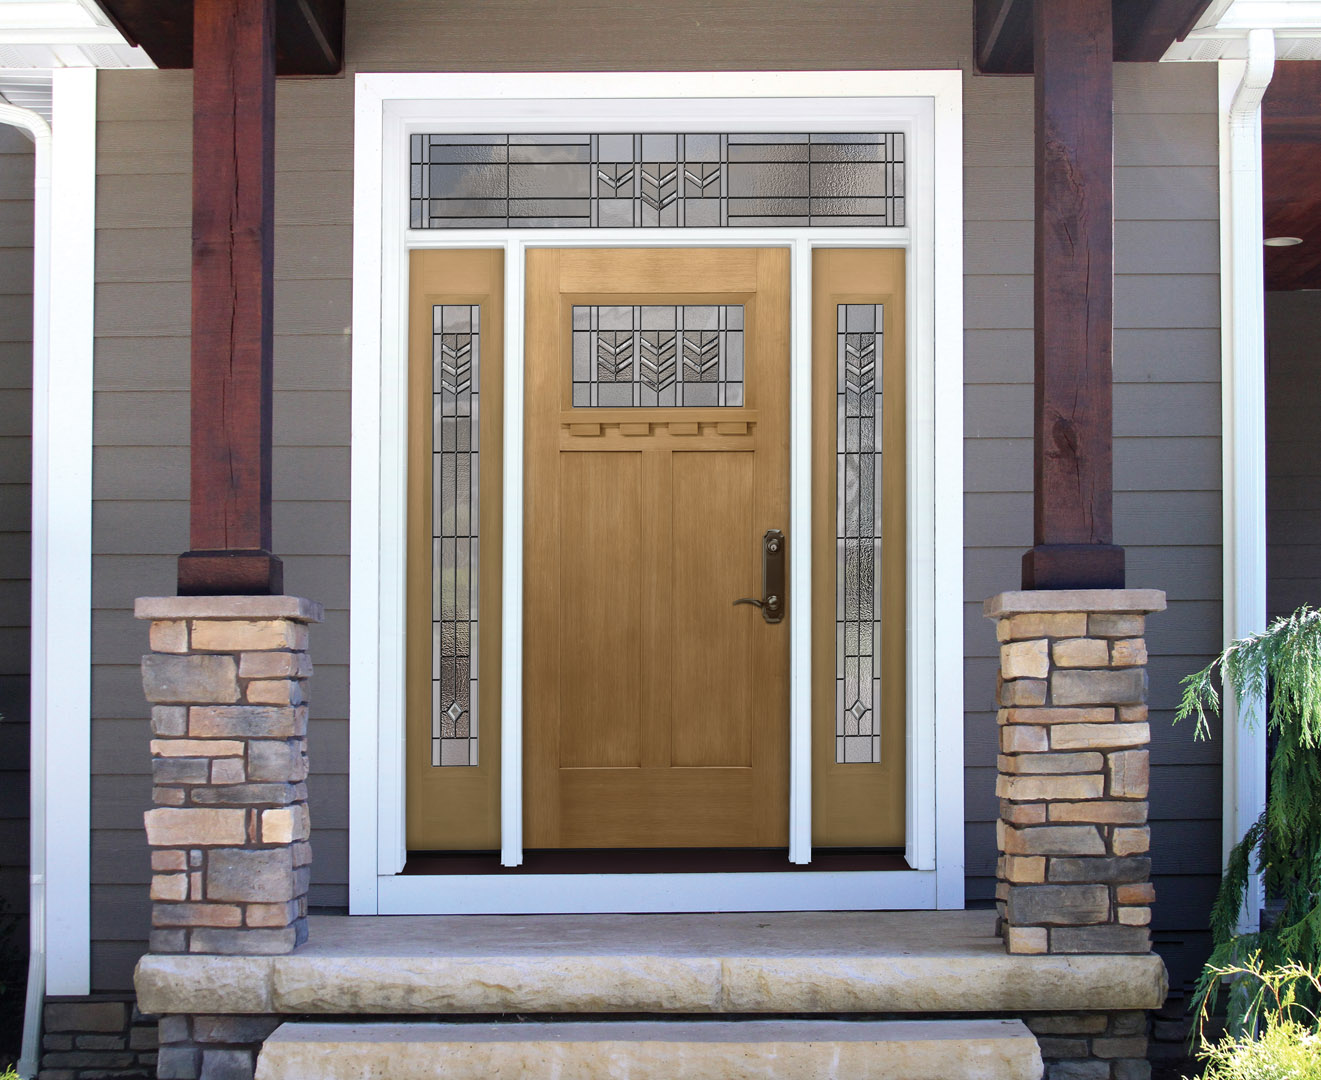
x=46, y=56
x=60, y=35
x=1222, y=34
x=50, y=14
x=1272, y=15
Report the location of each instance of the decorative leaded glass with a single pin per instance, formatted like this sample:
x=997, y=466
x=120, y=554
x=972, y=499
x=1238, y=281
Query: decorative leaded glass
x=658, y=355
x=649, y=181
x=859, y=355
x=456, y=356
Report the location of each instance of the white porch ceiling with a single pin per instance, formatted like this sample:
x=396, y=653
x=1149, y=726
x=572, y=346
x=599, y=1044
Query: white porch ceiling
x=46, y=34
x=1222, y=33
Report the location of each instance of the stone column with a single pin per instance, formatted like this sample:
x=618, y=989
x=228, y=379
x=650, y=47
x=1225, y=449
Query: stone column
x=1073, y=873
x=229, y=835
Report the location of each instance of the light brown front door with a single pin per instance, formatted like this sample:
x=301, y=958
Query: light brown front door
x=656, y=458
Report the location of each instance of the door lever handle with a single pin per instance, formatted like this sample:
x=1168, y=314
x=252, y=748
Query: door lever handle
x=772, y=578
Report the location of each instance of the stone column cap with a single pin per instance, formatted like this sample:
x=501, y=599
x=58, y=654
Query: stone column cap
x=1056, y=601
x=295, y=608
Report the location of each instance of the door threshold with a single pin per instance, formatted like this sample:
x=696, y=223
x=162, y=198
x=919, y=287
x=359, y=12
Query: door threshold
x=654, y=861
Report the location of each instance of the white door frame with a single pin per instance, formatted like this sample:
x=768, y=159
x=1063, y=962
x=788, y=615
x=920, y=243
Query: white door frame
x=927, y=105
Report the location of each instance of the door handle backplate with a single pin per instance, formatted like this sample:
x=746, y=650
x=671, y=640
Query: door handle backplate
x=772, y=578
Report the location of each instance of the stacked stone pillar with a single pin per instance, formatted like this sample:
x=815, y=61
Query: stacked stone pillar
x=231, y=855
x=1073, y=874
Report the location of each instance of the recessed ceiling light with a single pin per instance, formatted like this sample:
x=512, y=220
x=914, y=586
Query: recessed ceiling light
x=1283, y=241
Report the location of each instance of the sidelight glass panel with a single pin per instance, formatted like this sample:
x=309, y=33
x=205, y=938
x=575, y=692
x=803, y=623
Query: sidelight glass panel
x=657, y=355
x=456, y=355
x=859, y=354
x=705, y=180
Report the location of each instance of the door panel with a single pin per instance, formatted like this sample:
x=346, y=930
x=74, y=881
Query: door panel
x=714, y=529
x=600, y=598
x=656, y=711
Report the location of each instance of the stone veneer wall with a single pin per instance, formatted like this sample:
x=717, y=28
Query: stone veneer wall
x=1073, y=873
x=231, y=857
x=1092, y=1046
x=96, y=1038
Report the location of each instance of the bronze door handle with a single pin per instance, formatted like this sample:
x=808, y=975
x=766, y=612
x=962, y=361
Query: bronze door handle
x=772, y=578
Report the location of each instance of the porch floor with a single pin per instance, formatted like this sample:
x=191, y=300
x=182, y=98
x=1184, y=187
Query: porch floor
x=732, y=964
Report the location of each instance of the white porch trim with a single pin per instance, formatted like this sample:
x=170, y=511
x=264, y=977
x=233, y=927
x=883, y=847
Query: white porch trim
x=388, y=107
x=62, y=340
x=1243, y=398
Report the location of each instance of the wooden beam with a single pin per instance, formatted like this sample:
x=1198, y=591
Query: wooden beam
x=1074, y=300
x=1140, y=30
x=233, y=247
x=309, y=34
x=1145, y=29
x=1004, y=37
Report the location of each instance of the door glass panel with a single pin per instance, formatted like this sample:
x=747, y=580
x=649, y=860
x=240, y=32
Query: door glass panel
x=657, y=355
x=859, y=354
x=456, y=376
x=621, y=181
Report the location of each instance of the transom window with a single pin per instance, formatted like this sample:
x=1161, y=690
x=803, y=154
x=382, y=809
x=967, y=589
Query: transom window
x=553, y=181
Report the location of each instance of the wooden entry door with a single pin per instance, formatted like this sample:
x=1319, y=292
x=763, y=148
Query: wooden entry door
x=656, y=457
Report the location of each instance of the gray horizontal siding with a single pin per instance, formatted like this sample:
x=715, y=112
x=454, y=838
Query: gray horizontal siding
x=16, y=170
x=1167, y=364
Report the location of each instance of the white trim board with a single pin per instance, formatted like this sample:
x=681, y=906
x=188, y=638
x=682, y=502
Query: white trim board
x=590, y=894
x=1243, y=405
x=64, y=252
x=388, y=108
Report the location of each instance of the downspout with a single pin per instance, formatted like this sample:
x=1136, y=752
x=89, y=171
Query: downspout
x=39, y=130
x=1244, y=420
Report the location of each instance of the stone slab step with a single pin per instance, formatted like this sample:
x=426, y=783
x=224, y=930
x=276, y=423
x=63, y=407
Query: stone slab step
x=655, y=1050
x=725, y=964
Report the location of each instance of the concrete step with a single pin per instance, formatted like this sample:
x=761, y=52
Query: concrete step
x=655, y=1050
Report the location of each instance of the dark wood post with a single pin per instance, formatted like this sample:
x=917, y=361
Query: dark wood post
x=233, y=245
x=1072, y=508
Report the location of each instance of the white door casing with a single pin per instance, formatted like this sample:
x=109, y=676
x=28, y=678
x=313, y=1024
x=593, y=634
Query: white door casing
x=927, y=106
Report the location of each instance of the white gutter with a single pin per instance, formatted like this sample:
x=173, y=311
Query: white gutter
x=40, y=132
x=1243, y=407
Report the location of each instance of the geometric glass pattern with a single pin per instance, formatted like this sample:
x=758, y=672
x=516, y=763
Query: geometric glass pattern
x=657, y=355
x=456, y=356
x=512, y=181
x=859, y=355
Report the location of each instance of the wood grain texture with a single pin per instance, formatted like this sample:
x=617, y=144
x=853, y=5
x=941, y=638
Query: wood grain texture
x=655, y=710
x=1291, y=168
x=233, y=300
x=1073, y=523
x=714, y=528
x=601, y=616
